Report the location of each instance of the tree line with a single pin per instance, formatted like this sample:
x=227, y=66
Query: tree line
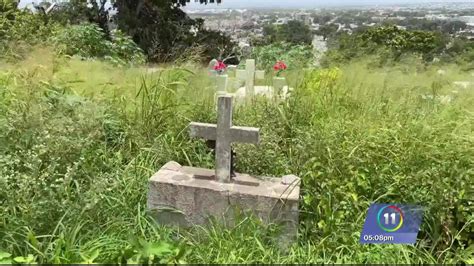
x=159, y=27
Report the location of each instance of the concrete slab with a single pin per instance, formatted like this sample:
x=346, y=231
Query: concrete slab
x=267, y=91
x=186, y=196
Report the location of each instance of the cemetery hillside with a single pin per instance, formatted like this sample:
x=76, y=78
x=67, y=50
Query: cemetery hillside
x=124, y=124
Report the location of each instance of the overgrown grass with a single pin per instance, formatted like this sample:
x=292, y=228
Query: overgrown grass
x=81, y=138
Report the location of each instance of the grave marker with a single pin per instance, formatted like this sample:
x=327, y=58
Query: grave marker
x=279, y=84
x=221, y=83
x=249, y=75
x=224, y=134
x=186, y=196
x=279, y=89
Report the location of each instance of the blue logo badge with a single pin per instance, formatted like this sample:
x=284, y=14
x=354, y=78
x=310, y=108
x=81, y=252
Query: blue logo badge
x=392, y=224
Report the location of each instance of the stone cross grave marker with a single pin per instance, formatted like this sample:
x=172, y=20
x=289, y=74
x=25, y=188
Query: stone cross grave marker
x=249, y=74
x=184, y=196
x=224, y=133
x=250, y=81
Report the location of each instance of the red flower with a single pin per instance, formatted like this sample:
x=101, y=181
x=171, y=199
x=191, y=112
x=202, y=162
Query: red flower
x=220, y=66
x=279, y=66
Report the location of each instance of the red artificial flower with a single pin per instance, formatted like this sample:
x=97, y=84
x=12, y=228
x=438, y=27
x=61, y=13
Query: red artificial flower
x=279, y=66
x=220, y=66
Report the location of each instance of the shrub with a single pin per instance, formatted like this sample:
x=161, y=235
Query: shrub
x=388, y=43
x=295, y=56
x=85, y=40
x=25, y=27
x=89, y=41
x=19, y=30
x=122, y=48
x=8, y=6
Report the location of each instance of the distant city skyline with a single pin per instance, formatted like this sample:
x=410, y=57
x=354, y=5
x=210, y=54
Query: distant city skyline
x=311, y=3
x=296, y=3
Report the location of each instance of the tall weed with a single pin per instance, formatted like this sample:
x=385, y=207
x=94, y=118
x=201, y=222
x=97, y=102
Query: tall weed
x=78, y=147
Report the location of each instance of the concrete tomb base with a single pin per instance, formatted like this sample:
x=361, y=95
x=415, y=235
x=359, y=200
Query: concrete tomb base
x=267, y=91
x=186, y=196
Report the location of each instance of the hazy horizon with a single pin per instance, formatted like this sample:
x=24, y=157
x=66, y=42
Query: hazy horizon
x=312, y=3
x=298, y=3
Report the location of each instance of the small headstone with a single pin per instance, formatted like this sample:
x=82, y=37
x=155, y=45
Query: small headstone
x=212, y=64
x=210, y=67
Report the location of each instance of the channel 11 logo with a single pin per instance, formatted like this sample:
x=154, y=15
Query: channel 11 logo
x=392, y=224
x=390, y=218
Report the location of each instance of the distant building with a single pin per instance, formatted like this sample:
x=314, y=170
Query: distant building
x=281, y=21
x=378, y=19
x=468, y=19
x=398, y=18
x=436, y=17
x=305, y=17
x=353, y=26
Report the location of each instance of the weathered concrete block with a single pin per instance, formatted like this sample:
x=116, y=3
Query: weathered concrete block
x=186, y=196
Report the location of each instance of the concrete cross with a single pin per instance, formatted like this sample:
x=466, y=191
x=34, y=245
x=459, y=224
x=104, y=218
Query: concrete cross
x=224, y=134
x=250, y=82
x=249, y=74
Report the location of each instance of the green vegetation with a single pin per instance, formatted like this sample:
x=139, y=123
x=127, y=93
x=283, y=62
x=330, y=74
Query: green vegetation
x=81, y=138
x=327, y=30
x=20, y=30
x=88, y=40
x=294, y=32
x=83, y=126
x=390, y=43
x=160, y=28
x=295, y=56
